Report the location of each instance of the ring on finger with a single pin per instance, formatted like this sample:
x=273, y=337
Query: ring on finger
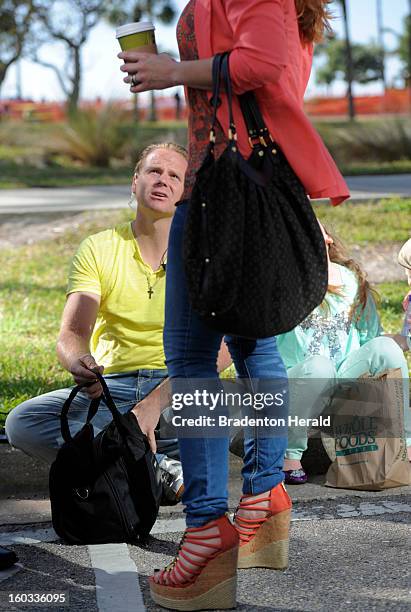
x=134, y=81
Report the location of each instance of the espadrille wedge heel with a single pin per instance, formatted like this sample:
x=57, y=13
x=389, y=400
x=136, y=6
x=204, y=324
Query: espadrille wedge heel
x=264, y=536
x=212, y=584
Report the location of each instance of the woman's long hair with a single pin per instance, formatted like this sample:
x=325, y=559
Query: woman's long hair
x=313, y=19
x=338, y=254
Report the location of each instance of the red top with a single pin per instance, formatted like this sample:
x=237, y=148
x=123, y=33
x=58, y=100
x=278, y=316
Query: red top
x=267, y=56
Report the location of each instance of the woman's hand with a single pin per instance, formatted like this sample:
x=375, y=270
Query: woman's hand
x=149, y=70
x=147, y=413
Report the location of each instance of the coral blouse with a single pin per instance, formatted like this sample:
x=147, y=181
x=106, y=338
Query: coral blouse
x=267, y=56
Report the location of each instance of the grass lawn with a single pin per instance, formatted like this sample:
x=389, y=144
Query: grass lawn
x=402, y=166
x=16, y=176
x=34, y=279
x=362, y=224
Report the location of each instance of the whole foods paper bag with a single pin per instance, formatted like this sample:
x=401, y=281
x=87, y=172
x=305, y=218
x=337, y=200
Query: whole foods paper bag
x=368, y=434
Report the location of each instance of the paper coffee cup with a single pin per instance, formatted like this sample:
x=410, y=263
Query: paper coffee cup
x=138, y=36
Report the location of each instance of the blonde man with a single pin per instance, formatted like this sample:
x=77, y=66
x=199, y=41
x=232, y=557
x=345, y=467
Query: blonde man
x=114, y=317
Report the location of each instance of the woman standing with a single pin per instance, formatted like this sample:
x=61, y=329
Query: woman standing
x=271, y=45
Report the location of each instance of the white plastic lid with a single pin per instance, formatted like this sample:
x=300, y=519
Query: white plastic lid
x=134, y=28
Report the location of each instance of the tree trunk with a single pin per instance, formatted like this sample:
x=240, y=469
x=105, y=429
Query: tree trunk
x=3, y=72
x=153, y=110
x=4, y=68
x=380, y=27
x=72, y=102
x=409, y=51
x=136, y=111
x=349, y=63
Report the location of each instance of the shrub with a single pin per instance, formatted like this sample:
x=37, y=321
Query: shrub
x=378, y=141
x=146, y=134
x=96, y=137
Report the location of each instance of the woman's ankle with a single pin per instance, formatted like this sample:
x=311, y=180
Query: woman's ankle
x=292, y=464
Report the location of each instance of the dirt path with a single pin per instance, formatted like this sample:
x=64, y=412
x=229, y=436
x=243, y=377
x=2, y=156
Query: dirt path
x=380, y=261
x=19, y=230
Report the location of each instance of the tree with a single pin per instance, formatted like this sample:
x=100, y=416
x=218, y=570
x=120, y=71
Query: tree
x=404, y=52
x=121, y=11
x=366, y=62
x=349, y=69
x=68, y=22
x=380, y=29
x=16, y=18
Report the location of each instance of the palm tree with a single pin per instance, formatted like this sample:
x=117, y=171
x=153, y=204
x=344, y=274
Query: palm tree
x=349, y=71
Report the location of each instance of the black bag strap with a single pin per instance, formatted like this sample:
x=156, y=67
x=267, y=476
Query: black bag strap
x=65, y=429
x=253, y=118
x=93, y=408
x=225, y=68
x=215, y=99
x=217, y=71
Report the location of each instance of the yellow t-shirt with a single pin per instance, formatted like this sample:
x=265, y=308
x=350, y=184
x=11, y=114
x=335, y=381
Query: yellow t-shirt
x=128, y=334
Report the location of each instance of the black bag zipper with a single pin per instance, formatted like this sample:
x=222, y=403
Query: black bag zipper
x=129, y=532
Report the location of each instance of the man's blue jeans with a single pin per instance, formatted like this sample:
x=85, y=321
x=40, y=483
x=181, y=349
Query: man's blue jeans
x=34, y=425
x=191, y=348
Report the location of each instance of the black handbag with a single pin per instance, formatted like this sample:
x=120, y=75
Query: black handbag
x=104, y=488
x=254, y=255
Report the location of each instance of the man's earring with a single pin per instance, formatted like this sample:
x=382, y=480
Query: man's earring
x=132, y=201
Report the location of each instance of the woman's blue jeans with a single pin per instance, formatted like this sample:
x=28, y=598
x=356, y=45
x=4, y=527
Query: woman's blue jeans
x=191, y=349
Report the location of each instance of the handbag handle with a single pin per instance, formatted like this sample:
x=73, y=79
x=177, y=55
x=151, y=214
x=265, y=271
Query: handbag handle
x=253, y=118
x=215, y=99
x=225, y=68
x=93, y=408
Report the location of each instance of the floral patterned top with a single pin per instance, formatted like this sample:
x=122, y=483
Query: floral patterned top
x=332, y=331
x=200, y=111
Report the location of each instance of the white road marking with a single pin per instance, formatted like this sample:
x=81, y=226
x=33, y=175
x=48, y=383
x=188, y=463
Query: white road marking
x=117, y=586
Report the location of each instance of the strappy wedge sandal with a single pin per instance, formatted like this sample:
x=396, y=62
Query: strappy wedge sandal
x=264, y=541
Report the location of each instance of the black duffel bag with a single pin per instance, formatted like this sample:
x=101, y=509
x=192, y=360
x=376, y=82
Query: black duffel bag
x=104, y=488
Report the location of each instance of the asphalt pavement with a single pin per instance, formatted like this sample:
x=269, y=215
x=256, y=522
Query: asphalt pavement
x=23, y=201
x=349, y=550
x=343, y=556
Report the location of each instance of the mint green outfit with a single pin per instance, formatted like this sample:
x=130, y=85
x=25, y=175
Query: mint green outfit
x=328, y=346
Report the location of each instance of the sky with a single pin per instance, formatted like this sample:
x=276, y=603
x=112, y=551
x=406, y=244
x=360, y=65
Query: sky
x=102, y=77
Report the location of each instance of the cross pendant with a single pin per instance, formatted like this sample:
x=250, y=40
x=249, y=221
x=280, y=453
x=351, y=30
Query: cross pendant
x=150, y=292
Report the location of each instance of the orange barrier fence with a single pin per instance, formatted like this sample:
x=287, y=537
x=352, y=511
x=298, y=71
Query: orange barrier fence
x=395, y=101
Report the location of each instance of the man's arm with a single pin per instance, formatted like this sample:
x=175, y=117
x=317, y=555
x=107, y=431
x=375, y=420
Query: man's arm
x=148, y=411
x=73, y=344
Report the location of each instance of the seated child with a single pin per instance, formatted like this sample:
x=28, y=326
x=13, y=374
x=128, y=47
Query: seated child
x=341, y=338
